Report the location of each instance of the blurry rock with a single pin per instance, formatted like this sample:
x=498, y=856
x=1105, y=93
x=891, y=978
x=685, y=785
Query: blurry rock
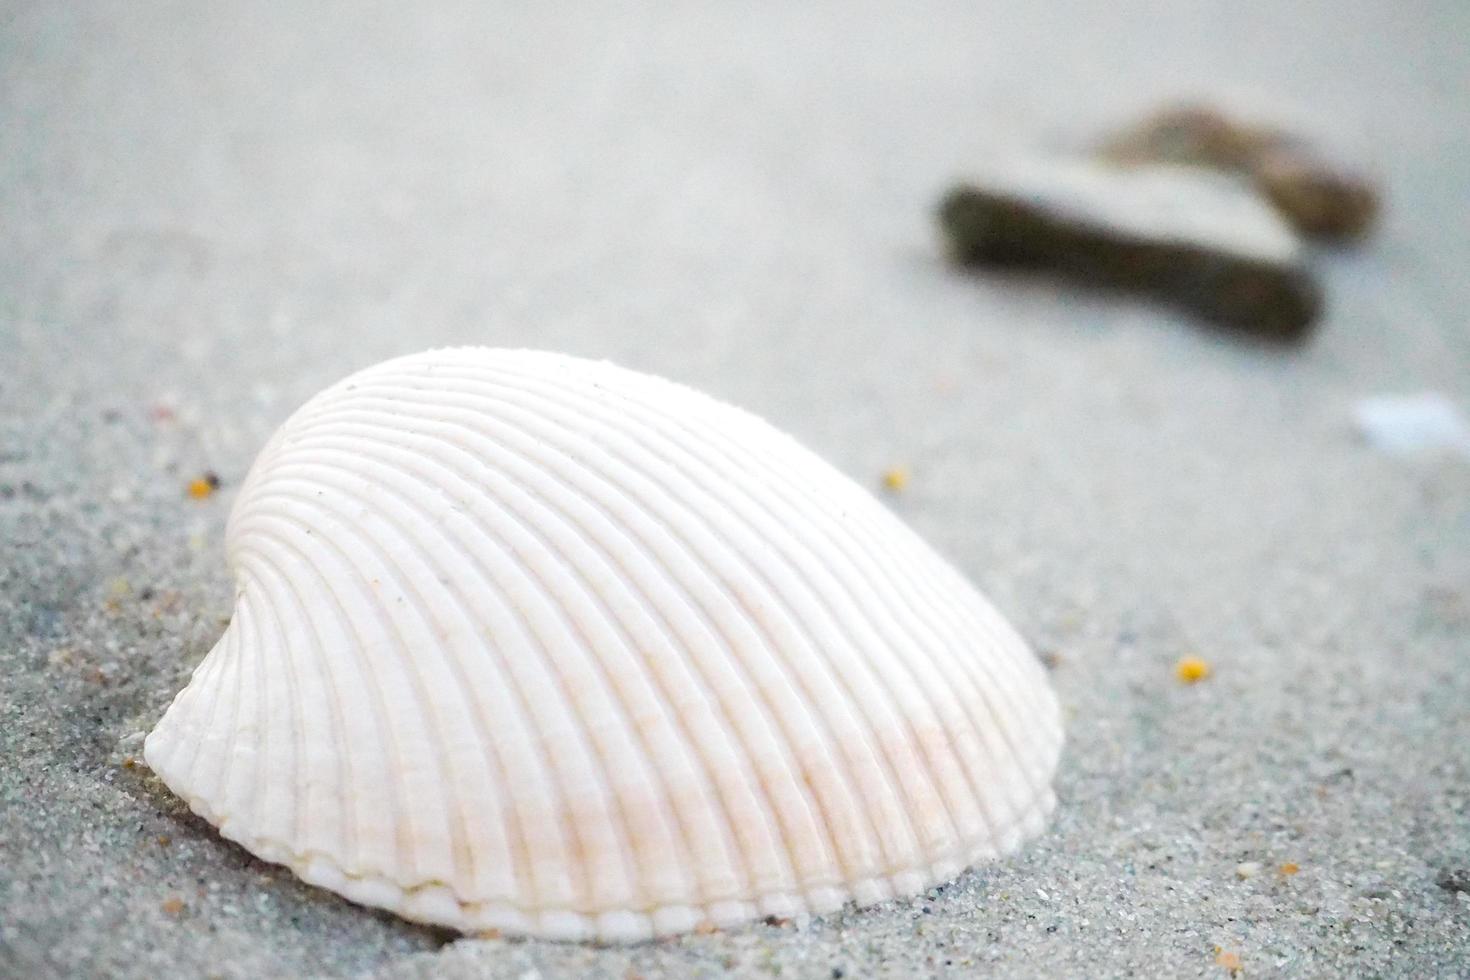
x=1184, y=134
x=1320, y=201
x=1319, y=196
x=1196, y=238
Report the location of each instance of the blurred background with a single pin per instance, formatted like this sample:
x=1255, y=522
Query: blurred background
x=209, y=212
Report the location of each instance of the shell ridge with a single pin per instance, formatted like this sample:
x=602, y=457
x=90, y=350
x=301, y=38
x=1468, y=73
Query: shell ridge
x=258, y=526
x=205, y=686
x=322, y=447
x=454, y=814
x=669, y=794
x=346, y=815
x=942, y=708
x=765, y=645
x=859, y=705
x=236, y=778
x=833, y=594
x=162, y=749
x=240, y=779
x=945, y=659
x=490, y=583
x=918, y=574
x=605, y=659
x=404, y=852
x=795, y=453
x=993, y=686
x=837, y=592
x=897, y=715
x=260, y=762
x=944, y=580
x=831, y=677
x=1000, y=687
x=283, y=532
x=457, y=808
x=833, y=745
x=597, y=653
x=299, y=794
x=944, y=583
x=998, y=751
x=859, y=537
x=798, y=455
x=262, y=758
x=931, y=660
x=1025, y=674
x=385, y=733
x=658, y=618
x=231, y=773
x=978, y=680
x=569, y=491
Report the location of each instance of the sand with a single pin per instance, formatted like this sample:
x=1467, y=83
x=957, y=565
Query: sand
x=206, y=216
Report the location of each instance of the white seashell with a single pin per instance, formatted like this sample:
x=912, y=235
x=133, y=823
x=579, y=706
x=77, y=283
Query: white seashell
x=532, y=643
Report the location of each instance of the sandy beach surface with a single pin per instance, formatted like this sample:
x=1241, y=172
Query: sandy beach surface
x=208, y=212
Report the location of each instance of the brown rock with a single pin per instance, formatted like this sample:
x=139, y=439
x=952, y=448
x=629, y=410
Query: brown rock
x=1198, y=240
x=1320, y=201
x=1319, y=196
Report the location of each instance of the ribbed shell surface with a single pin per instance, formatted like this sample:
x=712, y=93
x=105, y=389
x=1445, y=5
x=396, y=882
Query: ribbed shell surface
x=533, y=643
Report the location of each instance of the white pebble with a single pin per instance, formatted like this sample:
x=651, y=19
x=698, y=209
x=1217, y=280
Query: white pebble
x=1412, y=423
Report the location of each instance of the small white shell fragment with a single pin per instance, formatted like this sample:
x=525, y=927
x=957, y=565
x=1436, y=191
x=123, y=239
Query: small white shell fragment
x=1412, y=423
x=537, y=644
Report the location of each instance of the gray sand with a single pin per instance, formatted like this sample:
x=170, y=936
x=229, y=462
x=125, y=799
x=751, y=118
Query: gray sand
x=222, y=214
